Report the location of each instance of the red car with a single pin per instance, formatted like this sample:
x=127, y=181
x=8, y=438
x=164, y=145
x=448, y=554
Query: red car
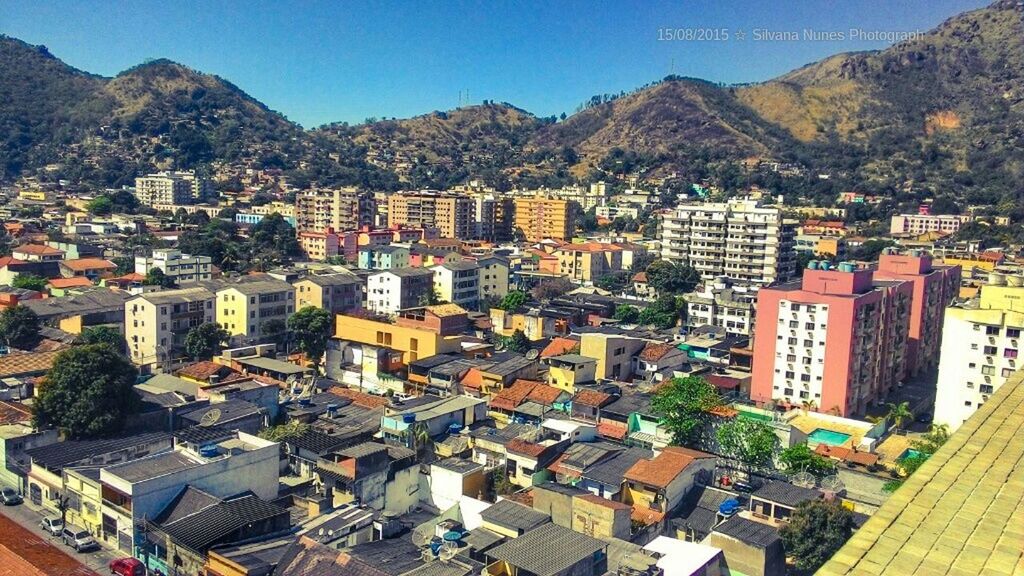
x=127, y=567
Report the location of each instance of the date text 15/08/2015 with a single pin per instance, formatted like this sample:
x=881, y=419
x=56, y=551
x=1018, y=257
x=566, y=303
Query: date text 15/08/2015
x=694, y=34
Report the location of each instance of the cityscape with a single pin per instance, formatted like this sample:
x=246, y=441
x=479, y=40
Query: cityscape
x=696, y=328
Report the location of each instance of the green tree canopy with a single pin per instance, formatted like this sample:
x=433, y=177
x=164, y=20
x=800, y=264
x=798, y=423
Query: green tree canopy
x=683, y=404
x=205, y=340
x=103, y=335
x=553, y=288
x=899, y=413
x=514, y=299
x=669, y=278
x=518, y=342
x=19, y=327
x=156, y=277
x=311, y=328
x=87, y=393
x=627, y=314
x=800, y=458
x=816, y=530
x=30, y=282
x=751, y=442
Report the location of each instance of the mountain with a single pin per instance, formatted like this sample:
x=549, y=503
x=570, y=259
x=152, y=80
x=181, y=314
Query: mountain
x=938, y=114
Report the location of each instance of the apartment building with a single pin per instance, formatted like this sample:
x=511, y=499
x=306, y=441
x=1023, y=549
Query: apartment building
x=337, y=209
x=156, y=323
x=935, y=287
x=454, y=215
x=389, y=291
x=319, y=246
x=383, y=257
x=541, y=218
x=725, y=304
x=737, y=239
x=458, y=283
x=614, y=354
x=587, y=262
x=837, y=339
x=980, y=346
x=415, y=333
x=493, y=276
x=245, y=308
x=915, y=224
x=180, y=267
x=335, y=293
x=586, y=196
x=173, y=188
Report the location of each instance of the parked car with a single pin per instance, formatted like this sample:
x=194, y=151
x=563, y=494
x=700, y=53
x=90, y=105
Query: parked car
x=10, y=497
x=742, y=486
x=78, y=539
x=127, y=567
x=52, y=525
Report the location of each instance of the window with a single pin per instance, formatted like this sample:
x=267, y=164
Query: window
x=792, y=341
x=789, y=374
x=986, y=389
x=1013, y=332
x=992, y=330
x=794, y=324
x=990, y=350
x=1009, y=353
x=809, y=325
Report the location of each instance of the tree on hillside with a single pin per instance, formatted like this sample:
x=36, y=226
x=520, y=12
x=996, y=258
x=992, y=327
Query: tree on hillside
x=30, y=282
x=816, y=530
x=669, y=278
x=683, y=404
x=156, y=277
x=311, y=328
x=103, y=335
x=204, y=341
x=751, y=442
x=19, y=327
x=514, y=299
x=87, y=393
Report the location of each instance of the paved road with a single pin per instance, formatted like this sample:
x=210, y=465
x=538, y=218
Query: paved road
x=28, y=518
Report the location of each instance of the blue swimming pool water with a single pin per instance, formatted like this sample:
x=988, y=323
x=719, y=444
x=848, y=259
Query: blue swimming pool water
x=823, y=436
x=909, y=453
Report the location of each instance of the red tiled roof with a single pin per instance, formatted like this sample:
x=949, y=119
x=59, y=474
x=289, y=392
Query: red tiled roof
x=510, y=397
x=591, y=398
x=202, y=370
x=130, y=277
x=653, y=352
x=544, y=394
x=646, y=515
x=847, y=455
x=23, y=553
x=9, y=260
x=27, y=364
x=613, y=430
x=474, y=379
x=665, y=467
x=82, y=264
x=360, y=398
x=557, y=467
x=14, y=412
x=525, y=498
x=38, y=250
x=640, y=277
x=558, y=346
x=69, y=282
x=613, y=504
x=525, y=448
x=723, y=382
x=590, y=247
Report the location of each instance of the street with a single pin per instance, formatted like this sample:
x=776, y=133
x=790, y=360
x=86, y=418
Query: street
x=27, y=518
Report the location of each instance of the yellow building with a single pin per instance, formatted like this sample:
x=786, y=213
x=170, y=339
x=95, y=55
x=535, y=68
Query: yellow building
x=614, y=354
x=587, y=262
x=540, y=218
x=335, y=293
x=36, y=195
x=567, y=371
x=88, y=500
x=245, y=308
x=417, y=333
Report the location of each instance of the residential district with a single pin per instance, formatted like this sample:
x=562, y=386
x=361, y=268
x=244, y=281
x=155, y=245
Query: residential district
x=557, y=382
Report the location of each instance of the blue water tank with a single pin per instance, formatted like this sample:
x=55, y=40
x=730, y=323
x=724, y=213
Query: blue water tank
x=454, y=428
x=209, y=451
x=812, y=265
x=729, y=507
x=409, y=418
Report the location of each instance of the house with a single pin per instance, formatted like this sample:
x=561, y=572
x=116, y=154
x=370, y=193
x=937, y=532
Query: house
x=11, y=268
x=512, y=402
x=548, y=550
x=641, y=287
x=396, y=289
x=17, y=436
x=604, y=477
x=59, y=287
x=512, y=519
x=91, y=268
x=37, y=253
x=232, y=414
x=657, y=361
x=399, y=424
x=453, y=478
x=560, y=345
x=336, y=293
x=489, y=444
x=493, y=277
x=180, y=268
x=83, y=308
x=661, y=483
x=416, y=333
x=156, y=324
x=587, y=404
x=775, y=501
x=614, y=353
x=371, y=474
x=179, y=537
x=458, y=283
x=700, y=513
x=526, y=462
x=383, y=257
x=587, y=262
x=568, y=371
x=750, y=547
x=496, y=372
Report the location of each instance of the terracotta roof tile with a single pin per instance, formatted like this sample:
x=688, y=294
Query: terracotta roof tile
x=559, y=346
x=473, y=378
x=525, y=448
x=640, y=277
x=82, y=264
x=13, y=412
x=847, y=455
x=613, y=430
x=361, y=399
x=78, y=281
x=545, y=395
x=665, y=467
x=38, y=250
x=27, y=364
x=204, y=369
x=646, y=515
x=653, y=352
x=591, y=398
x=510, y=397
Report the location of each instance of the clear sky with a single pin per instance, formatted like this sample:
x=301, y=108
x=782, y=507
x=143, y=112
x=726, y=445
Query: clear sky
x=318, y=62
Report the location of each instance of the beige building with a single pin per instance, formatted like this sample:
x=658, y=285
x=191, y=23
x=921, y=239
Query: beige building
x=155, y=324
x=614, y=354
x=338, y=210
x=172, y=188
x=336, y=293
x=540, y=218
x=493, y=277
x=245, y=308
x=587, y=262
x=452, y=214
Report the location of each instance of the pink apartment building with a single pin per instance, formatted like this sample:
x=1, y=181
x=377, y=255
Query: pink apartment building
x=836, y=339
x=934, y=288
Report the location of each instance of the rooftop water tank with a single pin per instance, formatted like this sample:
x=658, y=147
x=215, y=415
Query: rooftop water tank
x=409, y=418
x=209, y=451
x=812, y=265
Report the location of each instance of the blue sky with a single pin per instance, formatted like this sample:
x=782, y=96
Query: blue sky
x=318, y=62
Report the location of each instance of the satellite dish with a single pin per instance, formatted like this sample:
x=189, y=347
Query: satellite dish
x=532, y=354
x=210, y=418
x=427, y=555
x=448, y=552
x=419, y=539
x=803, y=479
x=832, y=484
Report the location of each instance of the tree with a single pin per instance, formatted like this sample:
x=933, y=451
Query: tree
x=156, y=277
x=552, y=288
x=664, y=313
x=924, y=448
x=284, y=431
x=899, y=413
x=205, y=340
x=19, y=327
x=125, y=265
x=627, y=314
x=751, y=442
x=103, y=335
x=30, y=282
x=311, y=328
x=683, y=404
x=101, y=205
x=613, y=282
x=669, y=278
x=800, y=458
x=518, y=342
x=513, y=300
x=816, y=530
x=87, y=393
x=275, y=330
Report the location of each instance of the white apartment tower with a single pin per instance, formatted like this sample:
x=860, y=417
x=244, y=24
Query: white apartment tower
x=736, y=239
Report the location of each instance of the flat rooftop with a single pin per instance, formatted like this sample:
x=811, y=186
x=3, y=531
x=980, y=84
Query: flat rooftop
x=962, y=512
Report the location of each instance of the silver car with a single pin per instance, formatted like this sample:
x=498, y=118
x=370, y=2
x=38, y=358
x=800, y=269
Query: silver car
x=78, y=539
x=52, y=525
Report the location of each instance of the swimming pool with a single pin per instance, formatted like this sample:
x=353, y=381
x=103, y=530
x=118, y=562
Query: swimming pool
x=832, y=438
x=909, y=453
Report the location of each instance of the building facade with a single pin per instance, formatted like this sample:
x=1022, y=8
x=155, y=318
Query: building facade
x=389, y=291
x=921, y=223
x=720, y=303
x=458, y=283
x=172, y=188
x=247, y=310
x=340, y=209
x=155, y=324
x=454, y=215
x=540, y=218
x=182, y=268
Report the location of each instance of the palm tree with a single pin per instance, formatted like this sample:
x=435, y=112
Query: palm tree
x=899, y=413
x=808, y=405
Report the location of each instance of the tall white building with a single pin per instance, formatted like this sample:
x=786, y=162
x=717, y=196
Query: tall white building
x=458, y=283
x=721, y=304
x=155, y=324
x=172, y=188
x=389, y=291
x=736, y=239
x=981, y=341
x=182, y=268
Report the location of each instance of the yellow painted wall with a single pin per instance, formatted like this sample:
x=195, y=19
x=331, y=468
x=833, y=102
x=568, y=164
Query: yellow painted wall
x=401, y=338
